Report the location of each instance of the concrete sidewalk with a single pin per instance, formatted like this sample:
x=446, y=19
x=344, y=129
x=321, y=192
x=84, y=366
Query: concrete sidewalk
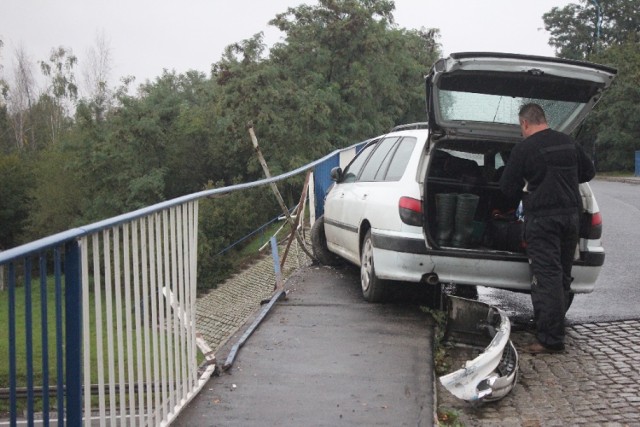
x=324, y=357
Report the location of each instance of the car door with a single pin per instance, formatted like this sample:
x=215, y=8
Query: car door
x=358, y=196
x=335, y=227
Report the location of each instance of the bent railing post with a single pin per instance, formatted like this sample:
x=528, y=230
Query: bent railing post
x=276, y=192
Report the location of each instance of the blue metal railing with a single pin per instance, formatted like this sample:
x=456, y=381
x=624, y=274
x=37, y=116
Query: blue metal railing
x=63, y=250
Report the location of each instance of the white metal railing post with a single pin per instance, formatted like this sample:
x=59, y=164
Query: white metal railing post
x=166, y=348
x=129, y=321
x=174, y=319
x=193, y=287
x=145, y=309
x=97, y=286
x=138, y=320
x=86, y=347
x=151, y=354
x=106, y=241
x=152, y=295
x=119, y=326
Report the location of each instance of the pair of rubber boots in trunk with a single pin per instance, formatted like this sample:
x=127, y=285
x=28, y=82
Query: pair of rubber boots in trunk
x=454, y=216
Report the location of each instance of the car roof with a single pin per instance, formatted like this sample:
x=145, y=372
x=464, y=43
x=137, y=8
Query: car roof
x=419, y=129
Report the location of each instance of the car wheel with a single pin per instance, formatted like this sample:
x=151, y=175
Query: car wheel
x=319, y=244
x=373, y=289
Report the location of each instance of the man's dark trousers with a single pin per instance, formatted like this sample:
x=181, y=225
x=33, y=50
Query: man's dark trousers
x=551, y=244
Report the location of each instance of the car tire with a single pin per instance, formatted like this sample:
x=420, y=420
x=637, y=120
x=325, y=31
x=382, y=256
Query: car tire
x=373, y=288
x=319, y=245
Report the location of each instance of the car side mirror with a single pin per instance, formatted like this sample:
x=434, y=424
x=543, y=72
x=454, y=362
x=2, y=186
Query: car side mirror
x=336, y=174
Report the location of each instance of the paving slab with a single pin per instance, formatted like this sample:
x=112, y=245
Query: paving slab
x=325, y=357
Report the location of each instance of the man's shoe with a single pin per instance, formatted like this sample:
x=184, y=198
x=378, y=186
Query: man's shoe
x=537, y=348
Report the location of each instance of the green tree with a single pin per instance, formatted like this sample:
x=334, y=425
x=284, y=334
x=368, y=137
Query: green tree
x=21, y=97
x=14, y=199
x=4, y=88
x=55, y=194
x=366, y=74
x=615, y=123
x=611, y=131
x=150, y=148
x=119, y=161
x=61, y=92
x=6, y=145
x=344, y=73
x=5, y=139
x=224, y=222
x=96, y=73
x=575, y=33
x=195, y=152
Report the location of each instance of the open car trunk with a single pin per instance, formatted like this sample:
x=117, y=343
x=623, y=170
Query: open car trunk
x=473, y=100
x=473, y=167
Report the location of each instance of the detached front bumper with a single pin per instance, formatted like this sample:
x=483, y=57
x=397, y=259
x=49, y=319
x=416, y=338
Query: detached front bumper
x=493, y=373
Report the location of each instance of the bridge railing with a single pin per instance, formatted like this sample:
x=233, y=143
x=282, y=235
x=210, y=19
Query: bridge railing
x=114, y=306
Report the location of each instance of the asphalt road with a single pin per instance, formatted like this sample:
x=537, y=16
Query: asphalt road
x=617, y=292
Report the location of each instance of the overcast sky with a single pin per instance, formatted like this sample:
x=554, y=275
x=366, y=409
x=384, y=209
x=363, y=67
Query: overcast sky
x=146, y=36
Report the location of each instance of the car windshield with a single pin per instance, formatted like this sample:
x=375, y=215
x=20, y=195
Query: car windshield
x=480, y=107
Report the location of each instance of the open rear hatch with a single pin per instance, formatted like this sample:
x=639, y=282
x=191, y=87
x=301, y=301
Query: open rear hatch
x=473, y=102
x=481, y=93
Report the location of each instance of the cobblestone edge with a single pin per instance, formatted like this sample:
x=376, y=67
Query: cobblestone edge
x=595, y=382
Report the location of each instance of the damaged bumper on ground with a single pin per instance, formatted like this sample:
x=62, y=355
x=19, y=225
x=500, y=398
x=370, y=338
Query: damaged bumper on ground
x=493, y=373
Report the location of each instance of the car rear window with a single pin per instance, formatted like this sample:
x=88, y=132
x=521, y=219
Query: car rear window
x=481, y=107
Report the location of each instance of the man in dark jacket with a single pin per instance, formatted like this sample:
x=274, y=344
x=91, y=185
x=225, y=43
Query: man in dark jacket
x=545, y=170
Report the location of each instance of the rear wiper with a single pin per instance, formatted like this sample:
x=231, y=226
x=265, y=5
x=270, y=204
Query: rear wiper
x=497, y=108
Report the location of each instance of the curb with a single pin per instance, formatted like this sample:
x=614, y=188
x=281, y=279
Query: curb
x=624, y=179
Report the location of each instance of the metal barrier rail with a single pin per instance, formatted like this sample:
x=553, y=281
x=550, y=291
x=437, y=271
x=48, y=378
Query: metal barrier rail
x=146, y=272
x=126, y=284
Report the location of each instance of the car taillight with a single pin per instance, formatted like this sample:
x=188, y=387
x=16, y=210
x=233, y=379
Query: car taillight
x=591, y=226
x=596, y=226
x=410, y=211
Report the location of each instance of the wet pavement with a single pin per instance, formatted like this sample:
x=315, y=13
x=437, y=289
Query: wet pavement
x=325, y=357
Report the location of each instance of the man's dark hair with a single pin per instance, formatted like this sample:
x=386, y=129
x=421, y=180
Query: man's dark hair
x=533, y=113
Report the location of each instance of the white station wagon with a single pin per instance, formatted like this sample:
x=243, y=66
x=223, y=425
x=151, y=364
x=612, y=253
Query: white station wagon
x=393, y=212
